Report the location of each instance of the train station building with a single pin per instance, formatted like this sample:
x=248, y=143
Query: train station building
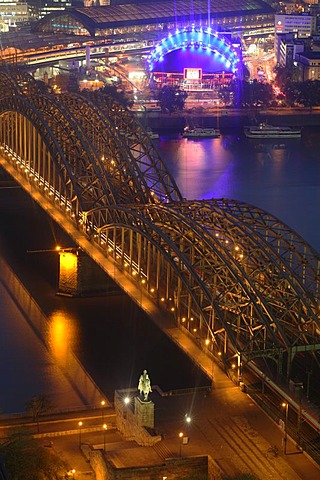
x=152, y=20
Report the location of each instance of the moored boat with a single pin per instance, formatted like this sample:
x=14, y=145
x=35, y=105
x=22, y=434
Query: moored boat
x=198, y=132
x=263, y=130
x=152, y=135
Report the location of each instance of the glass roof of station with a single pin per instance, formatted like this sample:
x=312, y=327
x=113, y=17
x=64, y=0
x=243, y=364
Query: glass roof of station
x=178, y=9
x=97, y=20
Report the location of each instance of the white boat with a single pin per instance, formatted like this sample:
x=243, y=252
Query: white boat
x=152, y=135
x=198, y=132
x=263, y=130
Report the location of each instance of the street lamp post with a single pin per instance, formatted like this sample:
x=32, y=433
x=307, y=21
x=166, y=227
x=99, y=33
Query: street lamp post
x=299, y=418
x=105, y=428
x=102, y=409
x=80, y=425
x=126, y=402
x=286, y=406
x=180, y=442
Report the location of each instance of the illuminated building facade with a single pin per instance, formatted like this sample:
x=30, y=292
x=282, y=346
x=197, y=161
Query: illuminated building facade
x=195, y=59
x=309, y=65
x=13, y=14
x=145, y=24
x=289, y=29
x=303, y=25
x=51, y=6
x=286, y=48
x=150, y=21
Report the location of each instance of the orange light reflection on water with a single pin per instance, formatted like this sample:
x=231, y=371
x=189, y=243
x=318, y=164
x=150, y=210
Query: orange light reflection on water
x=62, y=335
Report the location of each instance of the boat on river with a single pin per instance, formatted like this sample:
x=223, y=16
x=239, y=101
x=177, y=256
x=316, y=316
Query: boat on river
x=199, y=132
x=151, y=134
x=265, y=131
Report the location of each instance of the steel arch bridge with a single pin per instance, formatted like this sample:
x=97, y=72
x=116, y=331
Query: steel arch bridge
x=238, y=280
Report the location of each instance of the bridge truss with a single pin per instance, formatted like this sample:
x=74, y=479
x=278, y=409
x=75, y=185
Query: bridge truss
x=239, y=281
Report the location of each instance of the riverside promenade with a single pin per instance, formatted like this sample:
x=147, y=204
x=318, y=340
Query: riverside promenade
x=225, y=424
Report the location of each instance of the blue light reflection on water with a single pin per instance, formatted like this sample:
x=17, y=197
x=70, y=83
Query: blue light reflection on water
x=281, y=177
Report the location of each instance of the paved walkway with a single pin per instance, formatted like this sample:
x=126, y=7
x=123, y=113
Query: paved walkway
x=229, y=426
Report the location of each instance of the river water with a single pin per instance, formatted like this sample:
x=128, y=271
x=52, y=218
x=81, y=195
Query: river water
x=281, y=177
x=111, y=337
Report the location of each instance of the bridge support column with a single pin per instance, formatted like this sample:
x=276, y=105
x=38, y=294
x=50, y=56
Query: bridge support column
x=80, y=276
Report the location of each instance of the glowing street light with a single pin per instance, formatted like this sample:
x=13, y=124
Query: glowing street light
x=286, y=406
x=180, y=442
x=80, y=425
x=126, y=402
x=188, y=418
x=102, y=408
x=105, y=428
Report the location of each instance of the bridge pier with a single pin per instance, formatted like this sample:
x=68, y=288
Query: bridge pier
x=79, y=275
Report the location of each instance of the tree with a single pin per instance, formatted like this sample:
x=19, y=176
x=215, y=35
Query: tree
x=37, y=406
x=171, y=99
x=251, y=94
x=292, y=93
x=117, y=94
x=285, y=75
x=25, y=460
x=225, y=94
x=310, y=93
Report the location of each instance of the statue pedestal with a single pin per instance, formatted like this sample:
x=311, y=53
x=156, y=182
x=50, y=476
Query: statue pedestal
x=144, y=412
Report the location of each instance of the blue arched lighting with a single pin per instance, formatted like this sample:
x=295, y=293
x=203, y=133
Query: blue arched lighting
x=192, y=37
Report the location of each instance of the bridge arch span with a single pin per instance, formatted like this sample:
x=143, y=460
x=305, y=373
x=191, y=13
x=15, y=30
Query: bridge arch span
x=214, y=289
x=107, y=160
x=144, y=177
x=25, y=134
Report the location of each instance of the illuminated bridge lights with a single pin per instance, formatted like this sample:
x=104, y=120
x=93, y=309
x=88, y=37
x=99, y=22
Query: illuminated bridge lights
x=198, y=39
